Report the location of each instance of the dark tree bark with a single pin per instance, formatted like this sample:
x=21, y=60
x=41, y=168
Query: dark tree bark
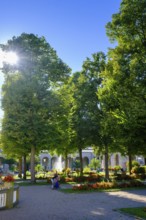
x=81, y=161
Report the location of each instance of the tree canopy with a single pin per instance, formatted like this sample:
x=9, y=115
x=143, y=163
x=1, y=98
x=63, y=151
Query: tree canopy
x=29, y=100
x=45, y=107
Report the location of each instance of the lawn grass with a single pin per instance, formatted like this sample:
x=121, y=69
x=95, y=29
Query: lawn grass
x=139, y=212
x=88, y=191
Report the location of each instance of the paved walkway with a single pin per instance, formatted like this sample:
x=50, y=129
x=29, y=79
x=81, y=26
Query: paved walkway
x=43, y=203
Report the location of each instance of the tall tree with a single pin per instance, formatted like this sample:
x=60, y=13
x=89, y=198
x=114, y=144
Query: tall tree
x=124, y=92
x=84, y=113
x=28, y=93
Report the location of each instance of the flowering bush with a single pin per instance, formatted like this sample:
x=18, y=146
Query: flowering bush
x=82, y=187
x=107, y=185
x=8, y=178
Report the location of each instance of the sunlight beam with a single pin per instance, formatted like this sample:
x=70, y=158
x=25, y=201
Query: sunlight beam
x=8, y=57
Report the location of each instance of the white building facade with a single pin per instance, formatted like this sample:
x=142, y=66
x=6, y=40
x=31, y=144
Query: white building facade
x=57, y=162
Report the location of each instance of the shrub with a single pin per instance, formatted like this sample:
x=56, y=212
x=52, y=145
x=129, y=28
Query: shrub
x=39, y=168
x=76, y=164
x=136, y=183
x=122, y=176
x=41, y=175
x=79, y=179
x=68, y=170
x=68, y=179
x=108, y=185
x=86, y=170
x=28, y=173
x=137, y=170
x=117, y=168
x=144, y=167
x=135, y=163
x=82, y=187
x=95, y=164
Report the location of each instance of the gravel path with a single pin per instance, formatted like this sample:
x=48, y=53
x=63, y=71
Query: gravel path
x=43, y=203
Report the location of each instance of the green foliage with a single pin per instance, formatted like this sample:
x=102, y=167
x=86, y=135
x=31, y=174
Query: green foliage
x=117, y=168
x=76, y=164
x=94, y=164
x=28, y=173
x=68, y=170
x=107, y=185
x=86, y=170
x=123, y=93
x=30, y=100
x=38, y=168
x=138, y=170
x=139, y=212
x=135, y=163
x=13, y=168
x=144, y=168
x=103, y=105
x=84, y=113
x=9, y=161
x=126, y=29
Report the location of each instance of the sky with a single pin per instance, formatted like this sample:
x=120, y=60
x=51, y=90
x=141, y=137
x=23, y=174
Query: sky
x=74, y=28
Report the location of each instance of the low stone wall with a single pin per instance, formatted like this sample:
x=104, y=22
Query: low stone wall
x=9, y=197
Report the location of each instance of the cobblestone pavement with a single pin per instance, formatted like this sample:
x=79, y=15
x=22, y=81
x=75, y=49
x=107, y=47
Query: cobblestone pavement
x=43, y=203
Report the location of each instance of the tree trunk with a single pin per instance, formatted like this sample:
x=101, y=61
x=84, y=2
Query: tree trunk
x=130, y=162
x=20, y=167
x=24, y=161
x=66, y=162
x=106, y=163
x=33, y=164
x=81, y=161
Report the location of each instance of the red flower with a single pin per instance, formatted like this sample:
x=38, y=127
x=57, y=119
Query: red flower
x=8, y=178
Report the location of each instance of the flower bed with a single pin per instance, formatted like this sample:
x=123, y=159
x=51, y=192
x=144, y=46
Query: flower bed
x=107, y=185
x=79, y=179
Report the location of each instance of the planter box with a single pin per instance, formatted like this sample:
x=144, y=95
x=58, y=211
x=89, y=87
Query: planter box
x=9, y=197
